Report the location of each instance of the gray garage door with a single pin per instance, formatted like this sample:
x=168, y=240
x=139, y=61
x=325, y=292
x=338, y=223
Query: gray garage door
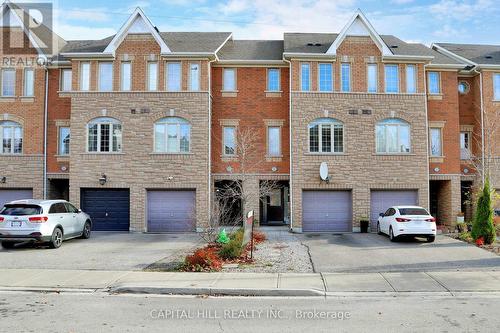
x=171, y=211
x=11, y=195
x=326, y=211
x=382, y=200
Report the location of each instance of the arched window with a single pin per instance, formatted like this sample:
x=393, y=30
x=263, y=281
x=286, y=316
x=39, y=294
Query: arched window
x=172, y=135
x=393, y=136
x=104, y=135
x=11, y=136
x=326, y=135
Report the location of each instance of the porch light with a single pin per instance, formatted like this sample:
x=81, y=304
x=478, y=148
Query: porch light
x=3, y=180
x=103, y=179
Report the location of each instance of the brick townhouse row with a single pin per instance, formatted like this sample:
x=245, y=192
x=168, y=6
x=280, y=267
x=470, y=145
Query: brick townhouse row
x=140, y=129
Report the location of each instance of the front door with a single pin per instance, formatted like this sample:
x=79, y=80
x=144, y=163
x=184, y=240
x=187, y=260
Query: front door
x=275, y=207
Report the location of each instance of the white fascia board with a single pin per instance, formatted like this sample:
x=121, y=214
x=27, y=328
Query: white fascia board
x=223, y=43
x=488, y=66
x=88, y=55
x=303, y=55
x=122, y=33
x=251, y=62
x=450, y=54
x=188, y=54
x=373, y=34
x=446, y=66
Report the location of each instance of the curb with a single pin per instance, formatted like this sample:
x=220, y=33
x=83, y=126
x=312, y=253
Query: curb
x=131, y=289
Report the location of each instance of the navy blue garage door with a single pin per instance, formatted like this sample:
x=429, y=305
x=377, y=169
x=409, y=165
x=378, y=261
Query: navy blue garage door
x=108, y=208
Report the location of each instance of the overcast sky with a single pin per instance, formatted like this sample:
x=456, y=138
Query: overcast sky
x=461, y=21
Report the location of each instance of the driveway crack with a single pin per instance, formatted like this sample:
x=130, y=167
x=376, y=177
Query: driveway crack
x=309, y=255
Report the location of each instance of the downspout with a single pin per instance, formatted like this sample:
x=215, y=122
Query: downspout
x=427, y=139
x=483, y=176
x=290, y=192
x=210, y=134
x=46, y=121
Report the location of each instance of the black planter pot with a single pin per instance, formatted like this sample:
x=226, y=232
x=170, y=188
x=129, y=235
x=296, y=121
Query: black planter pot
x=364, y=226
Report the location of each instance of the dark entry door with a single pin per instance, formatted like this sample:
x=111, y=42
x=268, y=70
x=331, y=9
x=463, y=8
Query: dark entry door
x=275, y=207
x=108, y=208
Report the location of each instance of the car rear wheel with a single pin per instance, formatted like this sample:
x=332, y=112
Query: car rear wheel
x=56, y=239
x=86, y=230
x=391, y=235
x=431, y=239
x=378, y=229
x=8, y=244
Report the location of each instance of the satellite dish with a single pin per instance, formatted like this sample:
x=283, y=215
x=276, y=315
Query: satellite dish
x=323, y=171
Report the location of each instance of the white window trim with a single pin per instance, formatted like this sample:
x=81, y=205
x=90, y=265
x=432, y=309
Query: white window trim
x=320, y=138
x=398, y=79
x=148, y=75
x=122, y=77
x=319, y=77
x=199, y=76
x=59, y=140
x=27, y=69
x=386, y=138
x=166, y=123
x=279, y=79
x=99, y=123
x=224, y=141
x=61, y=79
x=1, y=79
x=350, y=77
x=496, y=98
x=415, y=78
x=235, y=79
x=12, y=147
x=82, y=77
x=441, y=147
x=429, y=85
x=368, y=78
x=468, y=149
x=166, y=75
x=268, y=153
x=99, y=75
x=310, y=76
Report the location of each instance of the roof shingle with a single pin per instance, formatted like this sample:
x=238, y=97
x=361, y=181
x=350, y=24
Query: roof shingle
x=479, y=54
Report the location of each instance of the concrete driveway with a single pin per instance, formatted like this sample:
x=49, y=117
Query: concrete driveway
x=103, y=251
x=375, y=253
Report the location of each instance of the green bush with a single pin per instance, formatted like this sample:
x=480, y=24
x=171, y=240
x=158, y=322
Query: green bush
x=483, y=220
x=234, y=248
x=466, y=237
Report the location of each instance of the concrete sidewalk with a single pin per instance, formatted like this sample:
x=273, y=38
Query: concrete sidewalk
x=249, y=284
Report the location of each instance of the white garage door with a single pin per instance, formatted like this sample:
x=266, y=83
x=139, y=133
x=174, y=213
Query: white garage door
x=326, y=211
x=14, y=194
x=383, y=200
x=171, y=211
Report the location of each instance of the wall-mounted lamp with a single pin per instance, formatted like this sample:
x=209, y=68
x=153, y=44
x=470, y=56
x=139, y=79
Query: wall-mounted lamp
x=3, y=180
x=170, y=178
x=103, y=179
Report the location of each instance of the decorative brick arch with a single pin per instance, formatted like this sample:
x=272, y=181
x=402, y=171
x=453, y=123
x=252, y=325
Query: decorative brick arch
x=154, y=117
x=99, y=114
x=12, y=117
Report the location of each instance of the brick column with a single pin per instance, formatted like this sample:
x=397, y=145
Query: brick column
x=251, y=188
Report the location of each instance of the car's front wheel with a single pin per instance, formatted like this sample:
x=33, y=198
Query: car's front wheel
x=431, y=239
x=56, y=239
x=8, y=244
x=391, y=235
x=86, y=230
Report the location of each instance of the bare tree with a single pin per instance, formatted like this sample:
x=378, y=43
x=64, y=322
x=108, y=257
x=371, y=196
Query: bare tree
x=220, y=213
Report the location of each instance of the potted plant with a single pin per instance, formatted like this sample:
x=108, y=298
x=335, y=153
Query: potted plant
x=364, y=222
x=460, y=217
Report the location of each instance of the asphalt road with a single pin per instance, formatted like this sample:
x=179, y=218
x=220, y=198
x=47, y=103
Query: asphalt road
x=37, y=312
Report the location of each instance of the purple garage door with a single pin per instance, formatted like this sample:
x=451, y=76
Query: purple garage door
x=326, y=211
x=171, y=211
x=383, y=200
x=11, y=195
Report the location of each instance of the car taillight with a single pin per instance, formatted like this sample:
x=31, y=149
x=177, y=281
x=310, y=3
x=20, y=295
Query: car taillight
x=38, y=219
x=1, y=219
x=400, y=219
x=432, y=219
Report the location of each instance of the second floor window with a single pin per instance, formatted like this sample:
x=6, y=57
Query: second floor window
x=105, y=76
x=126, y=76
x=465, y=152
x=152, y=83
x=194, y=76
x=29, y=82
x=372, y=78
x=496, y=86
x=325, y=77
x=273, y=79
x=434, y=86
x=436, y=142
x=411, y=79
x=66, y=79
x=326, y=135
x=104, y=135
x=305, y=77
x=172, y=135
x=8, y=82
x=11, y=137
x=85, y=76
x=174, y=76
x=229, y=79
x=345, y=77
x=274, y=141
x=391, y=78
x=63, y=141
x=393, y=136
x=229, y=140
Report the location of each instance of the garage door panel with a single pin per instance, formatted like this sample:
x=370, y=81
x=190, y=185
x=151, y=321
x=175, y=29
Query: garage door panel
x=383, y=200
x=108, y=208
x=171, y=211
x=8, y=195
x=326, y=211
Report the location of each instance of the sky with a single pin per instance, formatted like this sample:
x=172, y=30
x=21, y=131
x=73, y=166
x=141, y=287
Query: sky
x=427, y=21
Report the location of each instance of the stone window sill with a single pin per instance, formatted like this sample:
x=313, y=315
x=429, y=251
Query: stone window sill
x=102, y=153
x=277, y=158
x=7, y=98
x=434, y=97
x=394, y=154
x=436, y=159
x=170, y=154
x=272, y=94
x=229, y=93
x=229, y=158
x=62, y=158
x=325, y=154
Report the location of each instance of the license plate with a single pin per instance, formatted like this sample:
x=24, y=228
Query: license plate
x=16, y=224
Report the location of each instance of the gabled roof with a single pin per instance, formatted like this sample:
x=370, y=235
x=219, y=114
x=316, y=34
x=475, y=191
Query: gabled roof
x=297, y=42
x=475, y=53
x=260, y=50
x=359, y=25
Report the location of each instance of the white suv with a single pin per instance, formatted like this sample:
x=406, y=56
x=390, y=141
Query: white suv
x=407, y=220
x=42, y=221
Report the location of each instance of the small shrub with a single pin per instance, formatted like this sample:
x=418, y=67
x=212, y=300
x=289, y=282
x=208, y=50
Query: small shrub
x=204, y=259
x=462, y=227
x=483, y=220
x=466, y=237
x=497, y=227
x=234, y=248
x=259, y=237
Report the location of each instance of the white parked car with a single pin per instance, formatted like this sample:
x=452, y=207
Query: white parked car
x=407, y=220
x=42, y=221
